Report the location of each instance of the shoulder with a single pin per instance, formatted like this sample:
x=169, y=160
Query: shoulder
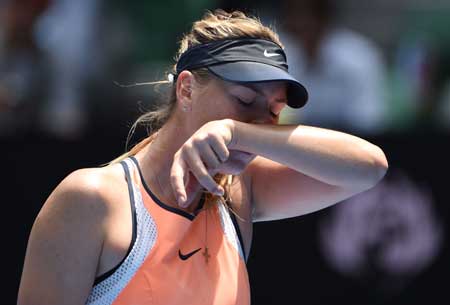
x=67, y=237
x=85, y=188
x=84, y=194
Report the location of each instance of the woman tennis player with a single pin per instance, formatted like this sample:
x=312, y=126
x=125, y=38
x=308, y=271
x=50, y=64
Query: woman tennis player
x=170, y=221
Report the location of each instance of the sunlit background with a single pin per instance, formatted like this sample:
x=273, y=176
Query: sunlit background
x=377, y=69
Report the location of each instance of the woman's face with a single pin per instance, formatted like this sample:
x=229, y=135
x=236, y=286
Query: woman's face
x=257, y=102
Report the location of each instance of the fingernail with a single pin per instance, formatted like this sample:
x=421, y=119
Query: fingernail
x=181, y=201
x=219, y=192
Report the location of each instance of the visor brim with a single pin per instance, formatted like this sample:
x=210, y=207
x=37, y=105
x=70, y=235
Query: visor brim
x=255, y=72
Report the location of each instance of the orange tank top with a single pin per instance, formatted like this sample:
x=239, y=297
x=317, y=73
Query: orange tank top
x=168, y=263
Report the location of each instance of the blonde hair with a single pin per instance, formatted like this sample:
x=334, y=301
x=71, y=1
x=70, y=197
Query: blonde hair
x=213, y=26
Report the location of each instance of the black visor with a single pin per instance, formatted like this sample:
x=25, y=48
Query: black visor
x=245, y=61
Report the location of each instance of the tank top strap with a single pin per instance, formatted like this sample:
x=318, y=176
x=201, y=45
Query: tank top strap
x=132, y=201
x=133, y=172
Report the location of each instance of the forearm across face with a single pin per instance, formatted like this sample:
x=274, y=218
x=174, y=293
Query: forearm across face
x=330, y=156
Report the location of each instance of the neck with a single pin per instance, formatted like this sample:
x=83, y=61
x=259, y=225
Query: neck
x=156, y=160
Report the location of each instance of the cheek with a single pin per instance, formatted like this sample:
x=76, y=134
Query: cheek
x=236, y=112
x=210, y=108
x=233, y=113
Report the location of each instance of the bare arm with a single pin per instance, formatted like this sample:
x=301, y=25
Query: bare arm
x=65, y=244
x=301, y=169
x=298, y=169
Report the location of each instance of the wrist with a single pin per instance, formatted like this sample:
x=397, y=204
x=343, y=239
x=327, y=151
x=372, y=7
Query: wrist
x=231, y=126
x=236, y=128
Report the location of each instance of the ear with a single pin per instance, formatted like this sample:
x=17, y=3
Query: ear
x=184, y=86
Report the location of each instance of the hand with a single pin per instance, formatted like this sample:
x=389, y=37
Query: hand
x=206, y=153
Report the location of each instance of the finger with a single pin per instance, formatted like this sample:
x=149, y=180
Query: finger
x=219, y=148
x=192, y=189
x=209, y=157
x=196, y=166
x=177, y=176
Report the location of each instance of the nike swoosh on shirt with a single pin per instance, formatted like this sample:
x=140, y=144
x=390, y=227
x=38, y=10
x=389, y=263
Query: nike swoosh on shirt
x=267, y=54
x=186, y=256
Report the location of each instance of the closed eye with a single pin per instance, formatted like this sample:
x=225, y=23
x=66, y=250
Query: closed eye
x=243, y=102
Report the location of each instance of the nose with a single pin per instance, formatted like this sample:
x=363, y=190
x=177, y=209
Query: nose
x=270, y=113
x=275, y=107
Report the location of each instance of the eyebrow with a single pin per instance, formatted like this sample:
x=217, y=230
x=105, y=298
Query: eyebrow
x=280, y=100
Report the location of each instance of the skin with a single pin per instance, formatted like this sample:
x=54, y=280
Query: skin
x=84, y=229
